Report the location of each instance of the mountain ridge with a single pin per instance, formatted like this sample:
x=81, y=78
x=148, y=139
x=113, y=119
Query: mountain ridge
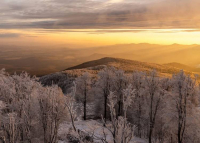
x=130, y=66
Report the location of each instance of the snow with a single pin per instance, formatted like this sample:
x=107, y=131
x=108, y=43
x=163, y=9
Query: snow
x=90, y=126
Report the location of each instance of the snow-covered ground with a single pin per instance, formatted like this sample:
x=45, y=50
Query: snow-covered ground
x=90, y=126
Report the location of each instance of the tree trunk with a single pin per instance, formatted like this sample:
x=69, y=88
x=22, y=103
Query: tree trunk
x=139, y=120
x=151, y=118
x=105, y=107
x=150, y=134
x=120, y=106
x=85, y=105
x=179, y=137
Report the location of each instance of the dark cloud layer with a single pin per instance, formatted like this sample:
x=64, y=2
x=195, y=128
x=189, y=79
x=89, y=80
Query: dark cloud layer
x=99, y=14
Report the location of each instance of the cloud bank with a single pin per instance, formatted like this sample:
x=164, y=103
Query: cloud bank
x=99, y=14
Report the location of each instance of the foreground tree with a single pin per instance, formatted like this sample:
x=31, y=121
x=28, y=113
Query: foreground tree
x=138, y=85
x=83, y=84
x=79, y=135
x=19, y=92
x=184, y=91
x=119, y=83
x=105, y=84
x=153, y=98
x=11, y=130
x=52, y=111
x=121, y=130
x=27, y=107
x=70, y=105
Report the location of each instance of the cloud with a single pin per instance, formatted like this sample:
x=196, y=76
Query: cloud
x=94, y=14
x=14, y=35
x=101, y=31
x=9, y=35
x=115, y=1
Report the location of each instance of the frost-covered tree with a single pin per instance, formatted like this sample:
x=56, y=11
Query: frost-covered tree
x=83, y=84
x=161, y=129
x=24, y=103
x=18, y=93
x=79, y=135
x=105, y=84
x=70, y=105
x=185, y=99
x=138, y=85
x=121, y=130
x=119, y=82
x=10, y=126
x=28, y=109
x=7, y=87
x=52, y=111
x=153, y=99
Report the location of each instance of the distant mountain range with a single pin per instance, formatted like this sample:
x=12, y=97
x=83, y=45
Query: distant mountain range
x=42, y=61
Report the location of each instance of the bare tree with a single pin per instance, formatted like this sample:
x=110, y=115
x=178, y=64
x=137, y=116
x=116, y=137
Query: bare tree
x=51, y=102
x=70, y=104
x=105, y=83
x=19, y=94
x=184, y=90
x=10, y=126
x=138, y=85
x=154, y=97
x=121, y=129
x=83, y=84
x=119, y=83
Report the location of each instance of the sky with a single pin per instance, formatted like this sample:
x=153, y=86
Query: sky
x=91, y=23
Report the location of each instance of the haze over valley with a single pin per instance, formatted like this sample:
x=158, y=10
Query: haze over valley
x=41, y=61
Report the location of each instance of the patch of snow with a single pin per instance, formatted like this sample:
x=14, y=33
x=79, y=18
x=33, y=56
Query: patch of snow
x=90, y=127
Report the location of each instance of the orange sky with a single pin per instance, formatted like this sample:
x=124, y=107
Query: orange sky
x=99, y=37
x=90, y=23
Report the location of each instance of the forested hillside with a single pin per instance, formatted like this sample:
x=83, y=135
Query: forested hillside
x=66, y=77
x=108, y=105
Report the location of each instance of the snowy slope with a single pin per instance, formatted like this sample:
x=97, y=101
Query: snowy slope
x=89, y=127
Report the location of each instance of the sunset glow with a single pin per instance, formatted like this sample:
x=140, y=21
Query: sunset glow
x=89, y=23
x=100, y=37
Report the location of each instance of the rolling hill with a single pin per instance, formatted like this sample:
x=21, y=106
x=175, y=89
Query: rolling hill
x=131, y=66
x=65, y=78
